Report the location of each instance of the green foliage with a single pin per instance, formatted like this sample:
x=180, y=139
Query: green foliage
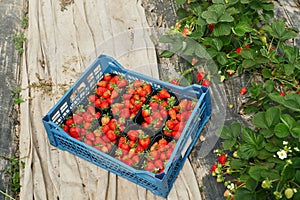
x=14, y=172
x=16, y=96
x=24, y=22
x=267, y=158
x=238, y=35
x=18, y=40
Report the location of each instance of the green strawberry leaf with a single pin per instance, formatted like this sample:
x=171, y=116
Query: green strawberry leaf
x=281, y=130
x=272, y=116
x=288, y=120
x=180, y=1
x=256, y=171
x=217, y=43
x=247, y=151
x=166, y=54
x=244, y=194
x=222, y=29
x=259, y=120
x=241, y=28
x=221, y=58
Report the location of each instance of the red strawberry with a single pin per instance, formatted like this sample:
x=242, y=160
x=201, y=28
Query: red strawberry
x=211, y=27
x=92, y=98
x=65, y=128
x=112, y=124
x=222, y=159
x=100, y=91
x=77, y=119
x=159, y=164
x=105, y=120
x=172, y=113
x=115, y=79
x=133, y=135
x=102, y=84
x=214, y=167
x=238, y=50
x=90, y=136
x=282, y=94
x=174, y=82
x=69, y=122
x=146, y=110
x=176, y=134
x=205, y=83
x=243, y=91
x=114, y=94
x=147, y=87
x=200, y=76
x=111, y=135
x=107, y=77
x=144, y=142
x=247, y=46
x=150, y=167
x=122, y=83
x=164, y=94
x=186, y=31
x=74, y=132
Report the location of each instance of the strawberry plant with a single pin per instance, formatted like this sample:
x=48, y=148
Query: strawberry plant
x=231, y=37
x=262, y=162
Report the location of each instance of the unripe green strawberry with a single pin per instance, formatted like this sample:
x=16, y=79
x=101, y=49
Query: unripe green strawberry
x=266, y=184
x=289, y=193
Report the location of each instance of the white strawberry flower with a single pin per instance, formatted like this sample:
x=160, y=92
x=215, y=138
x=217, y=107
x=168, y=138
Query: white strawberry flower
x=282, y=154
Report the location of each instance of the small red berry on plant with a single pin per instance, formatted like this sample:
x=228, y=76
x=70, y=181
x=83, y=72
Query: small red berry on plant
x=200, y=76
x=174, y=81
x=214, y=167
x=205, y=83
x=222, y=159
x=247, y=46
x=282, y=94
x=238, y=50
x=243, y=91
x=211, y=27
x=186, y=31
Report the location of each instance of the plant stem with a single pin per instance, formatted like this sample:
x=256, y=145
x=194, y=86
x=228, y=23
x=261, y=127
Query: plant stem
x=7, y=195
x=186, y=72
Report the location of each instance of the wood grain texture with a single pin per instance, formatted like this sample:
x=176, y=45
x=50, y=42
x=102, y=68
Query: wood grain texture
x=10, y=14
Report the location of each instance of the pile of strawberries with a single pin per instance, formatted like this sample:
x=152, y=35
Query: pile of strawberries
x=132, y=100
x=132, y=146
x=123, y=118
x=158, y=155
x=81, y=121
x=179, y=115
x=108, y=90
x=155, y=112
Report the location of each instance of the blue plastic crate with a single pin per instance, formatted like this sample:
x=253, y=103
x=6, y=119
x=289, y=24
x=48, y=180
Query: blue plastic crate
x=159, y=184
